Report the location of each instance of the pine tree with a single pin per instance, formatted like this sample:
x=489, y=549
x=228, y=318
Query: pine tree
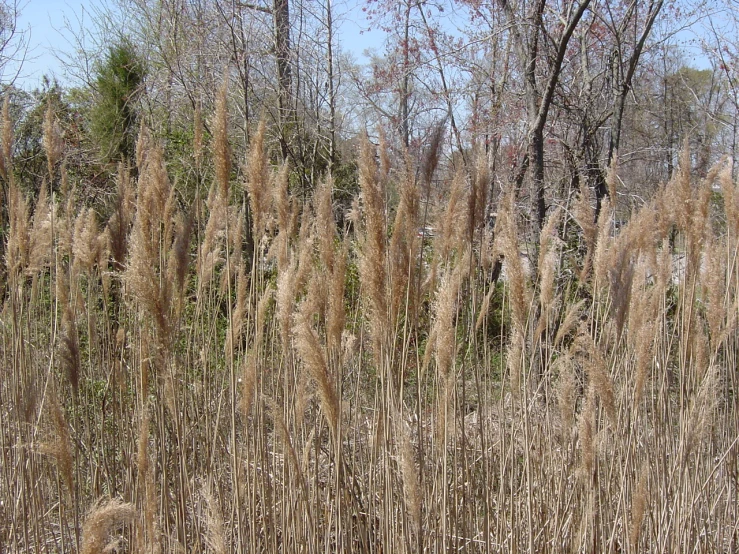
x=113, y=118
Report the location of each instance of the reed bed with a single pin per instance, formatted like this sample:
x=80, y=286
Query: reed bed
x=249, y=377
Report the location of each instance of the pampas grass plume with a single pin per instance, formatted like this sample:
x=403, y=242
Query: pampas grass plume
x=6, y=142
x=61, y=449
x=101, y=520
x=587, y=436
x=547, y=265
x=52, y=138
x=17, y=248
x=216, y=535
x=283, y=210
x=639, y=506
x=40, y=236
x=566, y=389
x=248, y=382
x=596, y=368
x=257, y=182
x=336, y=316
x=313, y=357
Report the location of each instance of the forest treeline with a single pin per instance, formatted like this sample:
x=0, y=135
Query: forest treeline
x=552, y=93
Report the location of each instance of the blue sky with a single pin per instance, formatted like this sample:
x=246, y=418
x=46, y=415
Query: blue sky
x=43, y=21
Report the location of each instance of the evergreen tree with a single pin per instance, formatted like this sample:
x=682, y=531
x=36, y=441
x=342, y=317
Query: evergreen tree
x=113, y=118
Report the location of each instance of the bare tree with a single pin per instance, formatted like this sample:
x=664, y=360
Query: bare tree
x=721, y=44
x=530, y=33
x=13, y=42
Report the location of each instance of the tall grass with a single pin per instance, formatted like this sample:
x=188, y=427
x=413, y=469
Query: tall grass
x=275, y=383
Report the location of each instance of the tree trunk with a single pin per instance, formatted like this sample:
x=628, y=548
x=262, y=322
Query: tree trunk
x=331, y=89
x=536, y=161
x=538, y=101
x=405, y=83
x=281, y=14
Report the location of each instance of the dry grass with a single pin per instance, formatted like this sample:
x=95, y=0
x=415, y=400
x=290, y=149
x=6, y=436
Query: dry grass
x=371, y=391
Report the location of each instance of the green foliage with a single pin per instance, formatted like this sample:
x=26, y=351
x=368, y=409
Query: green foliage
x=27, y=111
x=498, y=320
x=113, y=117
x=346, y=186
x=178, y=144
